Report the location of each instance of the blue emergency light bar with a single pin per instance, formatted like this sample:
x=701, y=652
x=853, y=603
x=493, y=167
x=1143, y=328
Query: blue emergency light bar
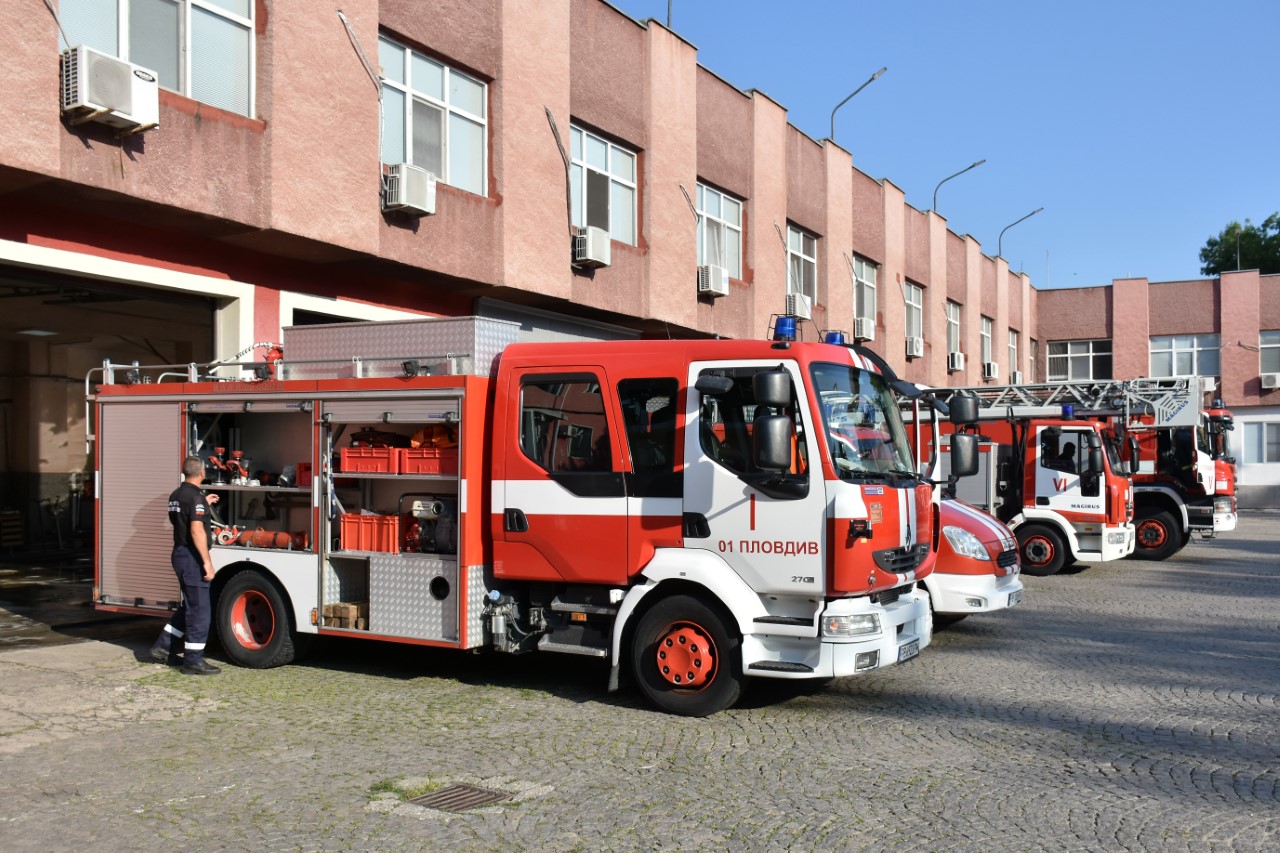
x=836, y=338
x=784, y=329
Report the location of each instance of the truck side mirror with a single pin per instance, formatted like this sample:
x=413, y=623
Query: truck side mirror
x=771, y=442
x=1095, y=460
x=964, y=409
x=964, y=454
x=772, y=388
x=712, y=385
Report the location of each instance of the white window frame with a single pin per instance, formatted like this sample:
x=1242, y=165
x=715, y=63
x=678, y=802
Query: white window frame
x=798, y=260
x=865, y=273
x=121, y=47
x=1263, y=436
x=616, y=156
x=986, y=332
x=1077, y=353
x=1196, y=346
x=1013, y=353
x=1269, y=351
x=714, y=213
x=1033, y=347
x=450, y=112
x=953, y=327
x=913, y=301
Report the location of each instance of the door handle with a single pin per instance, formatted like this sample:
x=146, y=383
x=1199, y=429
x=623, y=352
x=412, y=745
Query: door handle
x=515, y=521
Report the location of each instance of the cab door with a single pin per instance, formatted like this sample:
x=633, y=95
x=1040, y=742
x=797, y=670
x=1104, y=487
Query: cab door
x=1061, y=462
x=562, y=495
x=768, y=527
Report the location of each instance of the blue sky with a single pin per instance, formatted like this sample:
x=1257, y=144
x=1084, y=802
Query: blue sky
x=1141, y=128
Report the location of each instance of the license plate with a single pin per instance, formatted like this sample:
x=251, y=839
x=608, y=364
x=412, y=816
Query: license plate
x=907, y=651
x=1015, y=597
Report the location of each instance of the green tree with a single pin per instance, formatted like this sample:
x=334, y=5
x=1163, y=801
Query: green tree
x=1258, y=247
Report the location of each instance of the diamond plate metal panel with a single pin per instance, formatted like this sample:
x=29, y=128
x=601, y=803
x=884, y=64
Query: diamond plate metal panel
x=477, y=591
x=383, y=346
x=401, y=603
x=345, y=579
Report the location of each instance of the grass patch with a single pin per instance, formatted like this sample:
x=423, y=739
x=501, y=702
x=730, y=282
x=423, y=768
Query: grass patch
x=405, y=789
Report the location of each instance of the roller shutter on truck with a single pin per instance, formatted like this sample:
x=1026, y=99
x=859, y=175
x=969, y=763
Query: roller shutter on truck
x=138, y=444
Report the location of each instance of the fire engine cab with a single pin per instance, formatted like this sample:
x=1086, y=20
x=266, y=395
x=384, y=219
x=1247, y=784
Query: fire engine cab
x=674, y=507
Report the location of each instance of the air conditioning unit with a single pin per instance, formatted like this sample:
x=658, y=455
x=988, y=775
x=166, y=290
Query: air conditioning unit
x=915, y=346
x=591, y=247
x=713, y=280
x=990, y=370
x=1271, y=381
x=955, y=361
x=864, y=328
x=409, y=189
x=798, y=306
x=99, y=87
x=1015, y=378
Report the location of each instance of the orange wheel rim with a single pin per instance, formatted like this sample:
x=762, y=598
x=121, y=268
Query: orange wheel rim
x=686, y=656
x=253, y=620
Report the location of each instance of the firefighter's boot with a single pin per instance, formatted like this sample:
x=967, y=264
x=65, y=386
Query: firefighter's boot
x=202, y=667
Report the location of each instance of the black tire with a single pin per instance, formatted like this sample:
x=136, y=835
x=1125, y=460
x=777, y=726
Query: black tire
x=253, y=623
x=944, y=620
x=1041, y=550
x=683, y=630
x=1157, y=535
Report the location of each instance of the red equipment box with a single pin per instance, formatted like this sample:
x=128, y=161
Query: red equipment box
x=369, y=532
x=303, y=475
x=427, y=460
x=368, y=460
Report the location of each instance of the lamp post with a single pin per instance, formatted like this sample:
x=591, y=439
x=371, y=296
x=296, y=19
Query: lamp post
x=949, y=177
x=1000, y=239
x=870, y=80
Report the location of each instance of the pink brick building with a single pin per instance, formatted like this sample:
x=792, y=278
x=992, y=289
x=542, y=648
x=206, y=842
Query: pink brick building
x=257, y=203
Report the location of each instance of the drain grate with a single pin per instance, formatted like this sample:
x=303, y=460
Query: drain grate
x=460, y=798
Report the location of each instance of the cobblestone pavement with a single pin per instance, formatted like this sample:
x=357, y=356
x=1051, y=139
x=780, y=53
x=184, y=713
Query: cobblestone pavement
x=1129, y=706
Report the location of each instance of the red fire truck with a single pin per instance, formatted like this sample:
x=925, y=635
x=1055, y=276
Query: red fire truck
x=977, y=567
x=671, y=506
x=1053, y=480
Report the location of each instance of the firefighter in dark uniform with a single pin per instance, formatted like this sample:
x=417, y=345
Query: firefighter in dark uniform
x=189, y=513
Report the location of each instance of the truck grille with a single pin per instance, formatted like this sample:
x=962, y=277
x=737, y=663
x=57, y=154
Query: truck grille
x=889, y=596
x=900, y=560
x=1007, y=559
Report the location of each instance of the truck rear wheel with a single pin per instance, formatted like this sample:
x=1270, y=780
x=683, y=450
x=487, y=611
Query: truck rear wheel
x=1041, y=549
x=1157, y=535
x=685, y=660
x=253, y=622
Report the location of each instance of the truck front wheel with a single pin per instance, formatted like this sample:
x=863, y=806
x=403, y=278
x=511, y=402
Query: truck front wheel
x=253, y=622
x=685, y=660
x=1157, y=535
x=1042, y=550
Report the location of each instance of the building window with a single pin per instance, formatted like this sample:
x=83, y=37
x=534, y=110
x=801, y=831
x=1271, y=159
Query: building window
x=200, y=48
x=719, y=230
x=913, y=296
x=1079, y=360
x=864, y=289
x=1261, y=443
x=985, y=332
x=1269, y=352
x=602, y=185
x=1013, y=353
x=1184, y=355
x=1032, y=358
x=953, y=326
x=433, y=117
x=802, y=263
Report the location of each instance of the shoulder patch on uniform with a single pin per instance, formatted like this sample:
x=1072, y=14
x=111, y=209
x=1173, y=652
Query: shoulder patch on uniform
x=199, y=509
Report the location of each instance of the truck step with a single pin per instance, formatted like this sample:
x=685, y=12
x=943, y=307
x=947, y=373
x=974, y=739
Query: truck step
x=546, y=645
x=780, y=666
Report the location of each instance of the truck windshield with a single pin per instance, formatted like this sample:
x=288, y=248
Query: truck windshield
x=863, y=427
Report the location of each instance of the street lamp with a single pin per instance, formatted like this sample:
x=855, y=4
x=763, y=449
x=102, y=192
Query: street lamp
x=870, y=80
x=1000, y=240
x=949, y=177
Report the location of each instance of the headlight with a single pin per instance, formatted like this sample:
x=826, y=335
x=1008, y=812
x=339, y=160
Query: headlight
x=851, y=625
x=965, y=543
x=1222, y=504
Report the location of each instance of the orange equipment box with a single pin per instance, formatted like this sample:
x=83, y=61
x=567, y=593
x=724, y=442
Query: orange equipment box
x=368, y=460
x=303, y=475
x=427, y=460
x=369, y=532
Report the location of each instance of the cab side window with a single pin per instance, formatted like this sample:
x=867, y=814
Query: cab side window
x=649, y=415
x=726, y=422
x=563, y=427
